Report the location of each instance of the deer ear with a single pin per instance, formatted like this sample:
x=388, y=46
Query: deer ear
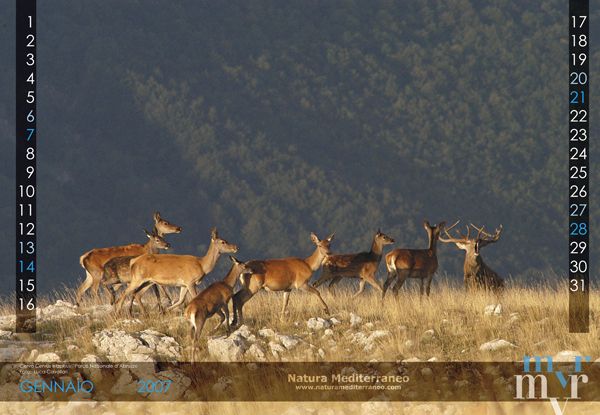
x=330, y=237
x=234, y=260
x=214, y=234
x=441, y=225
x=314, y=238
x=426, y=224
x=156, y=216
x=148, y=234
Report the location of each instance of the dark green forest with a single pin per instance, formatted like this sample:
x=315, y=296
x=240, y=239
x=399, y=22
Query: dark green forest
x=274, y=119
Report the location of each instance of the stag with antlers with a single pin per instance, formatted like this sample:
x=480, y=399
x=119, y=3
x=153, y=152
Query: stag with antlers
x=477, y=274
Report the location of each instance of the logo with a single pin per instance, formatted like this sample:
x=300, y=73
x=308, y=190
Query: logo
x=539, y=380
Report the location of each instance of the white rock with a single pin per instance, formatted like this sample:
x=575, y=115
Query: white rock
x=6, y=335
x=125, y=385
x=335, y=321
x=48, y=357
x=180, y=383
x=566, y=356
x=321, y=353
x=227, y=349
x=288, y=341
x=90, y=358
x=433, y=359
x=119, y=345
x=355, y=320
x=265, y=332
x=317, y=323
x=495, y=345
x=412, y=359
x=61, y=310
x=256, y=352
x=428, y=335
x=8, y=322
x=368, y=326
x=493, y=309
x=426, y=372
x=244, y=332
x=72, y=348
x=100, y=311
x=327, y=333
x=276, y=349
x=409, y=344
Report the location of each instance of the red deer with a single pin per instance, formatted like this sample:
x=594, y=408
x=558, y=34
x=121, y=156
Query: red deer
x=362, y=265
x=414, y=263
x=117, y=270
x=282, y=275
x=214, y=300
x=183, y=271
x=93, y=261
x=476, y=273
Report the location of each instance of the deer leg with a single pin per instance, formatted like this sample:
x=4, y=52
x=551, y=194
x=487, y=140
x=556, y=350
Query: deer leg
x=133, y=285
x=402, y=275
x=226, y=311
x=332, y=282
x=182, y=292
x=253, y=284
x=197, y=325
x=325, y=276
x=388, y=281
x=85, y=285
x=314, y=291
x=429, y=278
x=361, y=288
x=221, y=315
x=421, y=287
x=286, y=298
x=374, y=283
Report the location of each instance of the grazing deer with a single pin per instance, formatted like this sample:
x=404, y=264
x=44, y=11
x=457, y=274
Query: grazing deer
x=282, y=275
x=476, y=272
x=362, y=265
x=214, y=300
x=117, y=270
x=93, y=261
x=183, y=271
x=414, y=263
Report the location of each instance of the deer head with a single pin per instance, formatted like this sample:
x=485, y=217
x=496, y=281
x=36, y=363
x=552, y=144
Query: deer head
x=322, y=244
x=156, y=242
x=471, y=245
x=383, y=239
x=221, y=245
x=163, y=226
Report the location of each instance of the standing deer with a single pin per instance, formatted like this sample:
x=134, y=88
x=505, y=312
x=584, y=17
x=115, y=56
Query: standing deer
x=214, y=300
x=183, y=271
x=93, y=261
x=414, y=263
x=117, y=270
x=476, y=272
x=282, y=275
x=362, y=265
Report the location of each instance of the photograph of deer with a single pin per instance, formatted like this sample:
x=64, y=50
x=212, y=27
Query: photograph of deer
x=93, y=261
x=117, y=272
x=282, y=274
x=172, y=270
x=414, y=263
x=477, y=275
x=214, y=300
x=362, y=265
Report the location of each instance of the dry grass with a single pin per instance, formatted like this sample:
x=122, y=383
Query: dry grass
x=458, y=321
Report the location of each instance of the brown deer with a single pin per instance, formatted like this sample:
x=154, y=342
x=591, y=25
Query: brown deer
x=183, y=271
x=117, y=270
x=93, y=261
x=362, y=265
x=282, y=274
x=476, y=272
x=214, y=300
x=414, y=263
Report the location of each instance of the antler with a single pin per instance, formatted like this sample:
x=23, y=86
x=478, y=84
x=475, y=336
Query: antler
x=450, y=238
x=487, y=238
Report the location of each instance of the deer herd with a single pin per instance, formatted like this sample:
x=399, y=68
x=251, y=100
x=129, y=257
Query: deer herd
x=140, y=267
